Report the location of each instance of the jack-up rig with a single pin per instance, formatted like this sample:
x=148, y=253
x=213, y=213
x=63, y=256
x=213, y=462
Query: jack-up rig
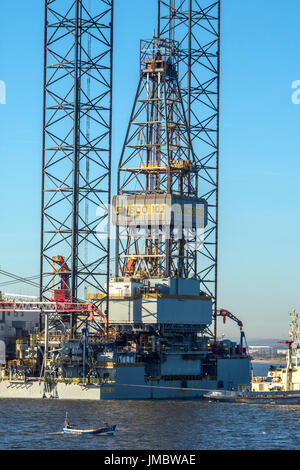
x=149, y=331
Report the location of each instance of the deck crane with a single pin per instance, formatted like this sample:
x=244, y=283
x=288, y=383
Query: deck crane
x=61, y=303
x=62, y=296
x=64, y=292
x=221, y=312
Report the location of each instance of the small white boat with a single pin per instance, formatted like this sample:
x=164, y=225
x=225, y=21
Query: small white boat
x=104, y=431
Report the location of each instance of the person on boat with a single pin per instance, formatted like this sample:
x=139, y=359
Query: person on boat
x=66, y=423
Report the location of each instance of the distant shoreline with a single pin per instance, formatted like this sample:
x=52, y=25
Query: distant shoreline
x=269, y=361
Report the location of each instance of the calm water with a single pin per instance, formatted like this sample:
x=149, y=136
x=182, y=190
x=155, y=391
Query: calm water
x=165, y=425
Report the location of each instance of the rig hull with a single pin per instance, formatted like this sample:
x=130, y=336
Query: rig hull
x=130, y=384
x=158, y=346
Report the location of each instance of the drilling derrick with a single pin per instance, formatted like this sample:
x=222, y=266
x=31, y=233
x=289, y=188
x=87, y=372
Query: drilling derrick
x=158, y=214
x=195, y=24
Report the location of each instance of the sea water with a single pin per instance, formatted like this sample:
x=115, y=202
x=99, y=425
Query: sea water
x=150, y=425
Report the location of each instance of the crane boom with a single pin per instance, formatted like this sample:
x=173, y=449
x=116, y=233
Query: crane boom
x=221, y=312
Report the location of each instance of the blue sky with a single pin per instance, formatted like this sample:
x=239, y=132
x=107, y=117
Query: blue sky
x=259, y=256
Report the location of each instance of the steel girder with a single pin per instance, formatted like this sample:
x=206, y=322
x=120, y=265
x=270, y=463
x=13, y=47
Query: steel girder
x=76, y=167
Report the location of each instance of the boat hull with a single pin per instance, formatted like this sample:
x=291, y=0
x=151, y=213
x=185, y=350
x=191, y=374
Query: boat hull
x=272, y=398
x=101, y=431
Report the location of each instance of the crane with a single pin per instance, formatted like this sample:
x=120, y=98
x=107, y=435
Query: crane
x=221, y=312
x=64, y=292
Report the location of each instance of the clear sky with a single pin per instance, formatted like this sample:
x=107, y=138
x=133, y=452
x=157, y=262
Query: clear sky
x=259, y=256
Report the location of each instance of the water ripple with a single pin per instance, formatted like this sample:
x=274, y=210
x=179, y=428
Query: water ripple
x=158, y=425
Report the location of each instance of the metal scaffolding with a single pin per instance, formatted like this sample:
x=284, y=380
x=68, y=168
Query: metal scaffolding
x=195, y=25
x=157, y=171
x=77, y=123
x=171, y=146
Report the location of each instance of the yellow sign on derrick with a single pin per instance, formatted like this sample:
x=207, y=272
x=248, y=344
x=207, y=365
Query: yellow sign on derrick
x=159, y=210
